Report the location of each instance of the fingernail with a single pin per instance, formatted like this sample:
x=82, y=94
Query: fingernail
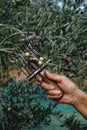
x=59, y=92
x=51, y=87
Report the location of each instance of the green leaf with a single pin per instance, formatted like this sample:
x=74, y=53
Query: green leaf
x=14, y=99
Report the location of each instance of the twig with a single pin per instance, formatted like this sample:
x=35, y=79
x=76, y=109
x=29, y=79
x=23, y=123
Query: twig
x=13, y=29
x=8, y=50
x=11, y=36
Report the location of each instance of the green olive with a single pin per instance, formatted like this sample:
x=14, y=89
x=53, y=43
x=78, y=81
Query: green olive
x=9, y=109
x=41, y=58
x=40, y=62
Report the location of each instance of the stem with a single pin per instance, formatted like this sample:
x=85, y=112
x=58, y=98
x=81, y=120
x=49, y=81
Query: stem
x=14, y=29
x=11, y=36
x=8, y=50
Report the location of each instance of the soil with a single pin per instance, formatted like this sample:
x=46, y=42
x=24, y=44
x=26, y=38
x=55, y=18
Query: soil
x=21, y=76
x=13, y=73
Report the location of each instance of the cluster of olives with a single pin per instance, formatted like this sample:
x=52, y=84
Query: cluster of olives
x=39, y=60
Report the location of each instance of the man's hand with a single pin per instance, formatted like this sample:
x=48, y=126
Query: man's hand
x=71, y=93
x=68, y=87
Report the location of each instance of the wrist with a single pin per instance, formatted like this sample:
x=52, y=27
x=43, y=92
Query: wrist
x=80, y=99
x=76, y=97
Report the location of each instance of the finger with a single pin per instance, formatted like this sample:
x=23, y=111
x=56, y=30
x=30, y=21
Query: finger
x=53, y=92
x=38, y=83
x=55, y=96
x=47, y=86
x=38, y=78
x=54, y=77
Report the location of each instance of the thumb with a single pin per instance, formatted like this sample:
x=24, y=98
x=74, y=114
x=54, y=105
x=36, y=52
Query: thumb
x=54, y=77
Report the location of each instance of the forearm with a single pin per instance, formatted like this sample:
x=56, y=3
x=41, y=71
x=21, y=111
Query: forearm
x=80, y=102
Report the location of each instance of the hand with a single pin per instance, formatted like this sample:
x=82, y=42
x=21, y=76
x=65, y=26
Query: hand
x=71, y=93
x=67, y=86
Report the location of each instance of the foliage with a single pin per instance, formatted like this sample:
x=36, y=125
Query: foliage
x=62, y=32
x=73, y=123
x=21, y=107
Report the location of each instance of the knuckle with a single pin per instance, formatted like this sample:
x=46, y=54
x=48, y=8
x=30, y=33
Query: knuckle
x=64, y=77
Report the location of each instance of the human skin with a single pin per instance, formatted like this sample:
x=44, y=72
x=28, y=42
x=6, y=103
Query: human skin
x=71, y=94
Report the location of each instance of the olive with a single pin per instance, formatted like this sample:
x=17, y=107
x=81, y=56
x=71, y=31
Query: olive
x=40, y=62
x=33, y=59
x=41, y=59
x=9, y=109
x=14, y=2
x=26, y=54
